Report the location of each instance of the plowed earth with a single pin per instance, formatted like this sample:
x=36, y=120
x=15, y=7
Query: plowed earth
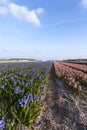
x=63, y=110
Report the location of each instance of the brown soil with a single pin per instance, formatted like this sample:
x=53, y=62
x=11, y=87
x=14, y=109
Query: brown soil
x=62, y=109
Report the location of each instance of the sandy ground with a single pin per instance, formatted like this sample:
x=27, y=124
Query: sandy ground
x=63, y=110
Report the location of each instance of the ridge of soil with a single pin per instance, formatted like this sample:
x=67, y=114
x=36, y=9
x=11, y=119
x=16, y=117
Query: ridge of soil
x=62, y=109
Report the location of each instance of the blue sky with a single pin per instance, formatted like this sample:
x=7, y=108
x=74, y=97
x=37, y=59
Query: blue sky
x=43, y=29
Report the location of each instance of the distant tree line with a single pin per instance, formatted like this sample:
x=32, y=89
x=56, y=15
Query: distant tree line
x=76, y=60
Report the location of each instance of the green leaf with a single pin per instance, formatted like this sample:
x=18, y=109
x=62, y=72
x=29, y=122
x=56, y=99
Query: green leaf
x=15, y=116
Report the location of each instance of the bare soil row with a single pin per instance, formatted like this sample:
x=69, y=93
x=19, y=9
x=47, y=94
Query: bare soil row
x=63, y=110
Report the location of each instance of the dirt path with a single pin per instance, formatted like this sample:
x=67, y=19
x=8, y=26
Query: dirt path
x=62, y=109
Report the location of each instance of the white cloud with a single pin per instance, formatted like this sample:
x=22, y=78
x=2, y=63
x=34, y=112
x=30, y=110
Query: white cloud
x=3, y=10
x=21, y=12
x=40, y=11
x=4, y=1
x=84, y=3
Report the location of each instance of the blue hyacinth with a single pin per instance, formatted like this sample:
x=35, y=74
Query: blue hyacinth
x=38, y=124
x=2, y=123
x=23, y=102
x=22, y=128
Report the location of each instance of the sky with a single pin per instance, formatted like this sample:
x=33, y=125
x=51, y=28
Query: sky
x=43, y=29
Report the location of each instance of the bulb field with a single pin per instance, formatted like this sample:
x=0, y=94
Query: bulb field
x=22, y=88
x=75, y=75
x=38, y=95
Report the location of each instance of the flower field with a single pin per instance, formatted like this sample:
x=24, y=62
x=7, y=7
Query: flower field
x=77, y=66
x=75, y=75
x=22, y=88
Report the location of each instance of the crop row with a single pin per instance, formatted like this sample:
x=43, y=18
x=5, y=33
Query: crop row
x=77, y=66
x=72, y=77
x=21, y=94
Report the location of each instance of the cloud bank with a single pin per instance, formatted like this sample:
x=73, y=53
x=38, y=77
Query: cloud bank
x=84, y=3
x=4, y=1
x=20, y=12
x=3, y=10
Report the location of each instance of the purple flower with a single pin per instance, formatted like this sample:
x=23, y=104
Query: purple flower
x=30, y=96
x=30, y=105
x=38, y=124
x=2, y=86
x=32, y=84
x=2, y=123
x=22, y=128
x=37, y=97
x=15, y=83
x=22, y=82
x=17, y=90
x=42, y=89
x=22, y=91
x=23, y=102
